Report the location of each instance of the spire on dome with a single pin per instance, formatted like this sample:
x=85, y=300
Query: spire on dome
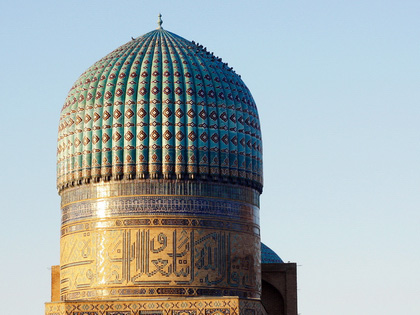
x=159, y=22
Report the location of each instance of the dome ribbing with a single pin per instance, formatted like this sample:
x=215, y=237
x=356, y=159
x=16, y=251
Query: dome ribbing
x=159, y=107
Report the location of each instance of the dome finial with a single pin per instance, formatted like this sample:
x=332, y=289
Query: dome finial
x=159, y=22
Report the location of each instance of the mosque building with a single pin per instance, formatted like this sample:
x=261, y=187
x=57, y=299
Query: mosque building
x=159, y=169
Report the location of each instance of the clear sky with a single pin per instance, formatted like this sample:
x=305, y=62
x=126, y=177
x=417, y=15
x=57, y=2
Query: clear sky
x=337, y=88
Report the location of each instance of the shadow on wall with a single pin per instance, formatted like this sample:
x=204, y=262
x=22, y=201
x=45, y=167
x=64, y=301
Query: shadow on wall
x=279, y=288
x=272, y=299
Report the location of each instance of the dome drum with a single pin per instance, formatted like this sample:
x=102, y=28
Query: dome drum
x=190, y=238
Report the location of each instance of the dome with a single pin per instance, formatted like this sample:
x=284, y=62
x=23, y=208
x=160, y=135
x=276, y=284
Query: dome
x=268, y=256
x=159, y=107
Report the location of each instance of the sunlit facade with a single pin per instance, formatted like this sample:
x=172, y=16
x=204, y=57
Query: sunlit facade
x=159, y=169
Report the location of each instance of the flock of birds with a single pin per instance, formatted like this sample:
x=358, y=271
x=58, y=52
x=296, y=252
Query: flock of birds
x=200, y=48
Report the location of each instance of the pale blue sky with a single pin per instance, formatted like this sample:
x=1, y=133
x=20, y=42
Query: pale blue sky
x=337, y=88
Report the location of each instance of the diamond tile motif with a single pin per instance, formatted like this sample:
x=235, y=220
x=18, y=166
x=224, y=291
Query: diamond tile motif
x=213, y=115
x=179, y=113
x=203, y=114
x=155, y=135
x=155, y=90
x=141, y=113
x=167, y=135
x=87, y=118
x=154, y=112
x=215, y=137
x=141, y=135
x=128, y=136
x=179, y=135
x=130, y=91
x=204, y=137
x=167, y=90
x=129, y=113
x=191, y=113
x=106, y=115
x=172, y=88
x=142, y=91
x=119, y=92
x=77, y=142
x=116, y=136
x=117, y=114
x=167, y=112
x=192, y=136
x=95, y=139
x=105, y=138
x=108, y=95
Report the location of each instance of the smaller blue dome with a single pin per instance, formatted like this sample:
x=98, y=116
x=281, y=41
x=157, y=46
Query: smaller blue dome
x=268, y=256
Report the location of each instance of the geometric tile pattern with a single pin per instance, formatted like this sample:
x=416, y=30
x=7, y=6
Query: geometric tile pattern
x=160, y=188
x=159, y=106
x=159, y=198
x=146, y=206
x=174, y=306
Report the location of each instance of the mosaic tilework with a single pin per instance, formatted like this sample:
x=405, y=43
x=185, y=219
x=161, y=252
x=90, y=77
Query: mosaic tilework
x=160, y=188
x=174, y=306
x=217, y=311
x=159, y=107
x=184, y=312
x=154, y=261
x=158, y=205
x=167, y=221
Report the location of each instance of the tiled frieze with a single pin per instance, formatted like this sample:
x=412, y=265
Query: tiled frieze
x=217, y=311
x=160, y=188
x=174, y=306
x=184, y=312
x=159, y=221
x=158, y=206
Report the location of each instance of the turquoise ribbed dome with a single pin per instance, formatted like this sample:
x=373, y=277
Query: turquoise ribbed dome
x=159, y=106
x=268, y=256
